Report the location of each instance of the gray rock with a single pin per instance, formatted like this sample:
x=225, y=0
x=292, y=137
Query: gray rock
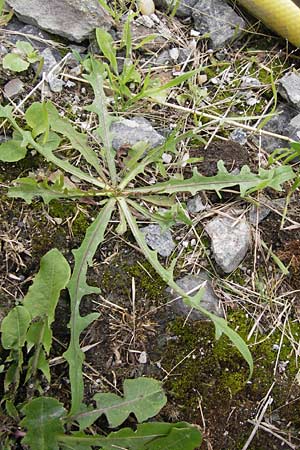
x=13, y=87
x=258, y=213
x=219, y=20
x=184, y=9
x=230, y=241
x=159, y=240
x=209, y=300
x=55, y=83
x=50, y=60
x=195, y=205
x=3, y=50
x=283, y=124
x=250, y=82
x=131, y=131
x=166, y=57
x=29, y=33
x=72, y=19
x=239, y=135
x=289, y=88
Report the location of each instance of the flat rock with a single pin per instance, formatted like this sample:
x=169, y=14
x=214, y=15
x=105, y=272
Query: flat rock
x=289, y=88
x=159, y=240
x=209, y=300
x=13, y=87
x=71, y=19
x=230, y=241
x=132, y=131
x=219, y=20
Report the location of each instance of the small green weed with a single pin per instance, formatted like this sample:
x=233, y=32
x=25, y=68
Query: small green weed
x=116, y=191
x=20, y=59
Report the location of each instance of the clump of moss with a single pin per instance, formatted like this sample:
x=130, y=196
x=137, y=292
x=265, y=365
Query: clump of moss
x=216, y=372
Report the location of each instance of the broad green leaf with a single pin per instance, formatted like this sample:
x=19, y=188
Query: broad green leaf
x=246, y=180
x=95, y=78
x=106, y=45
x=43, y=423
x=78, y=288
x=25, y=47
x=195, y=302
x=78, y=140
x=15, y=63
x=28, y=188
x=144, y=397
x=12, y=151
x=37, y=118
x=177, y=436
x=14, y=328
x=53, y=276
x=38, y=362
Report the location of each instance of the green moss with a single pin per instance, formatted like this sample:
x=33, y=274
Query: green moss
x=217, y=372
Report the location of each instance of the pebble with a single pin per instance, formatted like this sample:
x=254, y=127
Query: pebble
x=230, y=241
x=13, y=87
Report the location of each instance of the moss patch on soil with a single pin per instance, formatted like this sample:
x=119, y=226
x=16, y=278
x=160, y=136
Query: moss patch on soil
x=213, y=374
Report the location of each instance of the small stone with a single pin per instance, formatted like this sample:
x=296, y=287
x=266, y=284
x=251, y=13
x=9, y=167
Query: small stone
x=289, y=88
x=195, y=205
x=55, y=84
x=280, y=124
x=230, y=241
x=50, y=60
x=239, y=135
x=166, y=158
x=258, y=213
x=143, y=358
x=174, y=53
x=3, y=50
x=250, y=82
x=159, y=240
x=13, y=87
x=132, y=131
x=191, y=284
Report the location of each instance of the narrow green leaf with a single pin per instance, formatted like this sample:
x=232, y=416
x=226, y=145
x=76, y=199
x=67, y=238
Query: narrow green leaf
x=246, y=180
x=174, y=436
x=194, y=302
x=28, y=189
x=15, y=63
x=95, y=78
x=78, y=288
x=43, y=423
x=12, y=151
x=14, y=328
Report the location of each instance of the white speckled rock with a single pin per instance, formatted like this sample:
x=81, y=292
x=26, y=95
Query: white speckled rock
x=230, y=241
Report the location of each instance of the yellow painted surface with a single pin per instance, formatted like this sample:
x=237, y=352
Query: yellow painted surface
x=282, y=16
